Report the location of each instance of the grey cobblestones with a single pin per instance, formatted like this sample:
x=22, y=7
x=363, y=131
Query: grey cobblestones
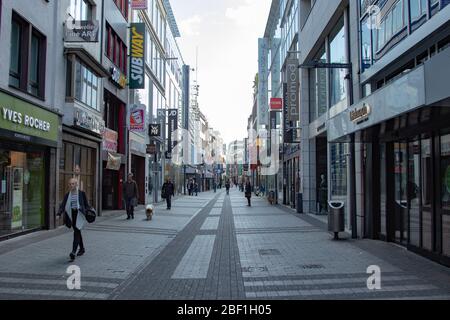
x=215, y=247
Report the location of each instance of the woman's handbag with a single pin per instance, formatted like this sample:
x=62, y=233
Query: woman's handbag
x=90, y=215
x=67, y=221
x=134, y=202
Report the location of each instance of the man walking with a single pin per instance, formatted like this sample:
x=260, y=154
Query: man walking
x=130, y=195
x=167, y=191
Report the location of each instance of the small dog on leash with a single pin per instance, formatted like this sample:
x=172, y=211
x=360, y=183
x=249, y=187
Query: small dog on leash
x=149, y=212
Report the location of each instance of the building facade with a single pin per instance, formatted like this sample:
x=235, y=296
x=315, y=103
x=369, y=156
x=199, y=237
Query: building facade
x=399, y=119
x=31, y=117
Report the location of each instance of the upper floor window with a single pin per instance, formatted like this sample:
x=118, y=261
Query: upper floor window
x=123, y=7
x=418, y=8
x=80, y=10
x=27, y=57
x=116, y=50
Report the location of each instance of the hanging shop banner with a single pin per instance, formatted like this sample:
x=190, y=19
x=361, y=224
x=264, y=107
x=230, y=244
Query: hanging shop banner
x=137, y=118
x=110, y=140
x=292, y=75
x=273, y=120
x=137, y=59
x=139, y=4
x=172, y=126
x=161, y=119
x=287, y=132
x=276, y=104
x=81, y=31
x=114, y=162
x=154, y=130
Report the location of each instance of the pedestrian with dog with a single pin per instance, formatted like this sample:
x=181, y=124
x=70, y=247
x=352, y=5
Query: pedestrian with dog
x=75, y=206
x=167, y=192
x=130, y=196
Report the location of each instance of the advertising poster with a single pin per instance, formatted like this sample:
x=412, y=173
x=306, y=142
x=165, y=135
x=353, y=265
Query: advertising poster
x=137, y=118
x=17, y=203
x=173, y=126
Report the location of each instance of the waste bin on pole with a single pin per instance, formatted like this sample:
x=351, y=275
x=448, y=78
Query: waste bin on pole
x=336, y=218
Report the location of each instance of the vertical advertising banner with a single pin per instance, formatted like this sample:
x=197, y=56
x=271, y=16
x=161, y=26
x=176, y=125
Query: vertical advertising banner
x=137, y=58
x=17, y=201
x=287, y=133
x=172, y=126
x=137, y=118
x=161, y=119
x=263, y=72
x=292, y=75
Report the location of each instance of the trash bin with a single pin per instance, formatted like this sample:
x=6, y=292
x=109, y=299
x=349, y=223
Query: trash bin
x=336, y=218
x=299, y=202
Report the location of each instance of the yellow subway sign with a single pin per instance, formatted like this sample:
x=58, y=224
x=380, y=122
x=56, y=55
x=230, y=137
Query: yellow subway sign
x=137, y=59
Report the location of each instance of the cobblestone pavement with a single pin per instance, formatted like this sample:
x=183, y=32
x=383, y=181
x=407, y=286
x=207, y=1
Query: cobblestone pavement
x=215, y=247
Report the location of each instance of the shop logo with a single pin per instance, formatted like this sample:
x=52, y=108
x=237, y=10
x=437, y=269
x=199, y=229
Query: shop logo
x=361, y=114
x=155, y=130
x=24, y=119
x=118, y=78
x=137, y=72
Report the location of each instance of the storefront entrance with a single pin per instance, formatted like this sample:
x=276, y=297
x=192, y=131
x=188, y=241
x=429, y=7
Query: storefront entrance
x=22, y=188
x=415, y=193
x=78, y=162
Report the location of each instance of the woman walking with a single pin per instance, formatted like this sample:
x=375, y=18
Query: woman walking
x=74, y=207
x=248, y=192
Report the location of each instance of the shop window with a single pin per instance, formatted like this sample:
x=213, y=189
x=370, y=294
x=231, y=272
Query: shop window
x=79, y=163
x=338, y=165
x=27, y=57
x=445, y=193
x=445, y=171
x=116, y=50
x=22, y=190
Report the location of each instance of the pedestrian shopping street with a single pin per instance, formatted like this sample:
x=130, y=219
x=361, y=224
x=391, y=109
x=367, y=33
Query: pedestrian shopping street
x=214, y=247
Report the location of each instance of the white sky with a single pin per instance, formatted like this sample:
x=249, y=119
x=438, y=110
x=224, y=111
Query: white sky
x=226, y=33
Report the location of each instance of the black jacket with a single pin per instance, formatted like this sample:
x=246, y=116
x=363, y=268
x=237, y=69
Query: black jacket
x=84, y=204
x=168, y=189
x=248, y=190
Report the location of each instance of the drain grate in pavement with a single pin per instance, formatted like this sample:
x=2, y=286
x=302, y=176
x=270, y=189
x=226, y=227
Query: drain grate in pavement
x=269, y=252
x=312, y=266
x=255, y=269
